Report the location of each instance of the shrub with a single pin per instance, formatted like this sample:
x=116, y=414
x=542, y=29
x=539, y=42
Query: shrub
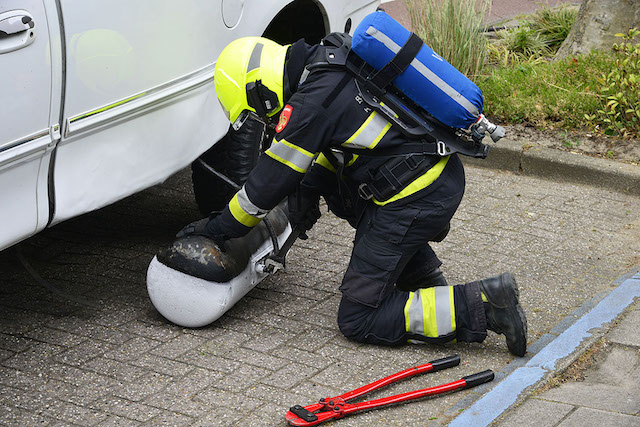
x=537, y=37
x=524, y=41
x=620, y=114
x=553, y=25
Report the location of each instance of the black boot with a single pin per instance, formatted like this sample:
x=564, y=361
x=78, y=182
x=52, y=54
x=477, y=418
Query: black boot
x=503, y=311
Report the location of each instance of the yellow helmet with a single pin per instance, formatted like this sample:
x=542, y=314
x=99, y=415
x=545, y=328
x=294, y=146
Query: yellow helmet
x=249, y=75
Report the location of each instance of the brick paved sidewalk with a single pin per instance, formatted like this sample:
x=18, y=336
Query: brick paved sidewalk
x=119, y=362
x=603, y=394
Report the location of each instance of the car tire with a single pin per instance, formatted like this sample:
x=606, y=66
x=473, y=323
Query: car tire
x=235, y=156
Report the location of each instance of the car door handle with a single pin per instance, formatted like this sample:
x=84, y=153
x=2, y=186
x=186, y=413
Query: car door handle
x=16, y=30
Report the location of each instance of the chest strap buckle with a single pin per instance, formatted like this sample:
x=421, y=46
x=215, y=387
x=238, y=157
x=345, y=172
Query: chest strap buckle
x=365, y=192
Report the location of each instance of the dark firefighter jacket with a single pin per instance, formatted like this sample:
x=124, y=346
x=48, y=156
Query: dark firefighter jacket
x=318, y=116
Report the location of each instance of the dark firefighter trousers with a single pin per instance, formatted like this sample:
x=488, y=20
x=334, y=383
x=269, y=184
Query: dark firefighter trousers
x=391, y=246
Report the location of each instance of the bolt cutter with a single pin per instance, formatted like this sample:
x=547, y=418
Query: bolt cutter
x=330, y=408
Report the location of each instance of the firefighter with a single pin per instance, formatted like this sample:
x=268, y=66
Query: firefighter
x=393, y=291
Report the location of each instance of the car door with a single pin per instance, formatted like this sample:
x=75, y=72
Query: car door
x=30, y=87
x=139, y=100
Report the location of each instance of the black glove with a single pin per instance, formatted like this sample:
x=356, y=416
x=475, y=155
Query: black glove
x=207, y=227
x=304, y=210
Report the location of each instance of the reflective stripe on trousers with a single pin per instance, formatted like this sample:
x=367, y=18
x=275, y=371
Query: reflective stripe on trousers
x=430, y=312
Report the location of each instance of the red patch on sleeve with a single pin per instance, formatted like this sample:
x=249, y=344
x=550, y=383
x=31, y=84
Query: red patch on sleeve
x=284, y=118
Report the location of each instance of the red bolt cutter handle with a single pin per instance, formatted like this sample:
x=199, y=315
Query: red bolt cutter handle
x=433, y=366
x=336, y=407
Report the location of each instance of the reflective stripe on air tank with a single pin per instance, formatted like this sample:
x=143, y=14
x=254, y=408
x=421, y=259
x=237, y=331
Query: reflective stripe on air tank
x=370, y=133
x=426, y=72
x=430, y=312
x=291, y=155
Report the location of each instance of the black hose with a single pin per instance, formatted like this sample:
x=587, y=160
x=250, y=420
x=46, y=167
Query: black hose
x=51, y=288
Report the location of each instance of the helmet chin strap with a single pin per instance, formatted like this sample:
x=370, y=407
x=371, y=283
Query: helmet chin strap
x=262, y=99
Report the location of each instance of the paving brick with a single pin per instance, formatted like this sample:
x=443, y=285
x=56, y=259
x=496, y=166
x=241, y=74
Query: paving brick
x=177, y=403
x=209, y=361
x=269, y=415
x=178, y=346
x=260, y=360
x=127, y=409
x=83, y=327
x=217, y=397
x=306, y=357
x=16, y=378
x=132, y=349
x=626, y=332
x=121, y=371
x=290, y=376
x=162, y=334
x=219, y=416
x=191, y=384
x=532, y=409
x=12, y=416
x=169, y=418
x=162, y=365
x=597, y=396
x=54, y=337
x=275, y=395
x=313, y=338
x=595, y=417
x=242, y=378
x=84, y=395
x=117, y=421
x=34, y=357
x=31, y=401
x=616, y=366
x=75, y=414
x=142, y=387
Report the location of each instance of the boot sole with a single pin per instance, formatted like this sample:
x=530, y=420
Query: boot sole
x=508, y=278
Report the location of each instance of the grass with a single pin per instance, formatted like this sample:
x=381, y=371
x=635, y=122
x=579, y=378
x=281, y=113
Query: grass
x=546, y=94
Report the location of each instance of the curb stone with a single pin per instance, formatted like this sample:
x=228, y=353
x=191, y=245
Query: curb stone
x=524, y=159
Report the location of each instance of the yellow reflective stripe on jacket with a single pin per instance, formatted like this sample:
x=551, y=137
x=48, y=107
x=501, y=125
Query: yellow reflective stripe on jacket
x=241, y=215
x=419, y=183
x=370, y=133
x=295, y=157
x=430, y=312
x=325, y=163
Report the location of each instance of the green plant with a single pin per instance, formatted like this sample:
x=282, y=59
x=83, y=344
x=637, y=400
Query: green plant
x=524, y=41
x=453, y=29
x=553, y=25
x=621, y=86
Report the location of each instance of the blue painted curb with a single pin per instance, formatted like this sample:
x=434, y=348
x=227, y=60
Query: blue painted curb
x=507, y=392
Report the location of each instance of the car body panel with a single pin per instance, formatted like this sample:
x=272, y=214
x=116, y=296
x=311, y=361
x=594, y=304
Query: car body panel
x=125, y=97
x=30, y=79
